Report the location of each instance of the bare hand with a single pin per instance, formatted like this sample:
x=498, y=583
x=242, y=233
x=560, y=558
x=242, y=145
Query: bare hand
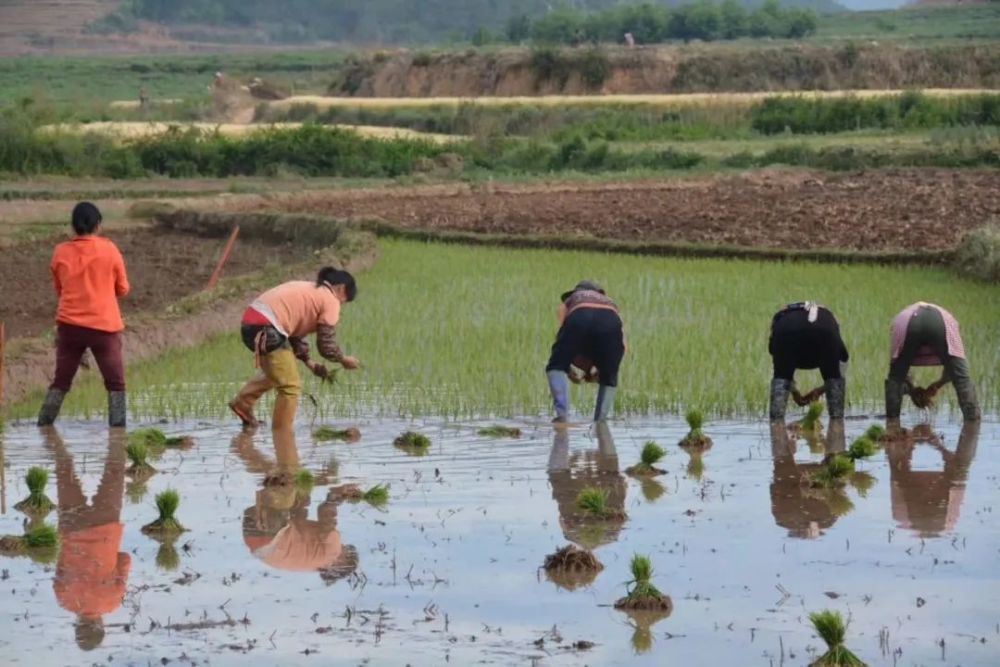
x=321, y=371
x=350, y=363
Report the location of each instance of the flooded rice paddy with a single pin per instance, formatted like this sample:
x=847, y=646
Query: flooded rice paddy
x=450, y=570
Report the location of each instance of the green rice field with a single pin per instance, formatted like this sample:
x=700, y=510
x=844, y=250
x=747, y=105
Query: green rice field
x=454, y=332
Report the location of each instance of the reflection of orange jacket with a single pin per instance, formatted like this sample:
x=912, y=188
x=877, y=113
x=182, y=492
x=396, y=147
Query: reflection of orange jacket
x=89, y=276
x=300, y=546
x=91, y=574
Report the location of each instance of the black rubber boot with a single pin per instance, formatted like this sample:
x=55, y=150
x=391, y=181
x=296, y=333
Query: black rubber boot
x=894, y=391
x=836, y=395
x=116, y=409
x=51, y=407
x=779, y=398
x=966, y=393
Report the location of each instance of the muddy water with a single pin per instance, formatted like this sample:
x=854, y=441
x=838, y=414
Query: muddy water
x=449, y=571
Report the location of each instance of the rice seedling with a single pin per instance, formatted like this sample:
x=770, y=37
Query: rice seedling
x=304, y=480
x=166, y=524
x=413, y=443
x=138, y=454
x=40, y=543
x=862, y=448
x=41, y=536
x=641, y=593
x=377, y=496
x=593, y=501
x=154, y=438
x=651, y=489
x=498, y=431
x=875, y=432
x=648, y=458
x=328, y=434
x=37, y=502
x=811, y=423
x=167, y=557
x=832, y=630
x=695, y=438
x=833, y=473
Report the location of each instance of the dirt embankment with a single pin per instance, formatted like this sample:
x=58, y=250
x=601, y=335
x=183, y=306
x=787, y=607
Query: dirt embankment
x=903, y=210
x=668, y=69
x=168, y=266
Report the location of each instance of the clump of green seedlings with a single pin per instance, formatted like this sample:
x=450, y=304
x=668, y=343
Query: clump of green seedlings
x=138, y=454
x=862, y=448
x=651, y=489
x=831, y=628
x=875, y=432
x=167, y=557
x=498, y=431
x=39, y=543
x=593, y=502
x=304, y=480
x=642, y=594
x=166, y=524
x=833, y=473
x=154, y=438
x=863, y=483
x=696, y=438
x=811, y=423
x=330, y=434
x=413, y=443
x=650, y=456
x=37, y=502
x=377, y=496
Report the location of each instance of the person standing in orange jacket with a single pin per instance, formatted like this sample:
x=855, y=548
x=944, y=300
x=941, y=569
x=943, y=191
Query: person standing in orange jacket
x=89, y=276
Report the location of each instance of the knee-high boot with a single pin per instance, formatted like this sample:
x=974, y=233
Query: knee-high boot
x=779, y=398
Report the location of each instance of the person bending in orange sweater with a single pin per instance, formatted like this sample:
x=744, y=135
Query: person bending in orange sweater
x=89, y=276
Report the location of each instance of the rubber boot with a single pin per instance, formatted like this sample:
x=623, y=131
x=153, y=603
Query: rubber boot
x=117, y=412
x=836, y=438
x=966, y=393
x=283, y=416
x=779, y=398
x=836, y=390
x=894, y=390
x=559, y=387
x=605, y=401
x=51, y=407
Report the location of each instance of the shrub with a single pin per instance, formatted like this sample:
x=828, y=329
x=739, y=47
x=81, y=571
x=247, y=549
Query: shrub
x=978, y=255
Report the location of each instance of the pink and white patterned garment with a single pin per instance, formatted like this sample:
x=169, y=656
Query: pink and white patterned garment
x=925, y=355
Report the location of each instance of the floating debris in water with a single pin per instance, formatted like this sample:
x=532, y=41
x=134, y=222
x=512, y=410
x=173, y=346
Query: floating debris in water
x=166, y=524
x=646, y=467
x=498, y=431
x=831, y=628
x=328, y=434
x=37, y=502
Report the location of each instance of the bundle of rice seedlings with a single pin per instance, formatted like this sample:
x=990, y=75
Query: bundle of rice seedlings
x=651, y=454
x=572, y=567
x=40, y=542
x=167, y=557
x=862, y=448
x=138, y=455
x=154, y=438
x=651, y=489
x=923, y=397
x=304, y=480
x=863, y=483
x=831, y=628
x=834, y=472
x=497, y=431
x=328, y=434
x=413, y=443
x=696, y=438
x=594, y=502
x=875, y=432
x=377, y=496
x=811, y=423
x=37, y=502
x=166, y=504
x=642, y=594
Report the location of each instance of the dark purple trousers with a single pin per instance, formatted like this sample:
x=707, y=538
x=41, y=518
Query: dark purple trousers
x=72, y=341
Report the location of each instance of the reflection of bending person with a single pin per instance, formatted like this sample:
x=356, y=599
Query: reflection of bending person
x=924, y=334
x=803, y=511
x=590, y=328
x=571, y=473
x=277, y=528
x=928, y=501
x=91, y=573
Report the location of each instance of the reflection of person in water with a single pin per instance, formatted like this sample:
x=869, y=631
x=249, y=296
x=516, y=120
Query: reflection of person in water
x=91, y=574
x=571, y=473
x=928, y=501
x=803, y=511
x=277, y=528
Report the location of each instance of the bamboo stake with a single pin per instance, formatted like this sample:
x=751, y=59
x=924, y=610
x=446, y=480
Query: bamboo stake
x=225, y=256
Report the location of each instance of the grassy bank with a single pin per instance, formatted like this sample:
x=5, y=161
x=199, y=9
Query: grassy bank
x=478, y=341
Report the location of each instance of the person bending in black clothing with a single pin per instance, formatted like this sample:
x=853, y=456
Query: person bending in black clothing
x=806, y=335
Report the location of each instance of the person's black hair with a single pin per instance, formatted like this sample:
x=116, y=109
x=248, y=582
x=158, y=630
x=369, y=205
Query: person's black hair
x=333, y=276
x=89, y=632
x=86, y=218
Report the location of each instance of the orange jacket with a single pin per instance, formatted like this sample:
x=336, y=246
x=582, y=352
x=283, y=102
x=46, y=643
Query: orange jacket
x=89, y=276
